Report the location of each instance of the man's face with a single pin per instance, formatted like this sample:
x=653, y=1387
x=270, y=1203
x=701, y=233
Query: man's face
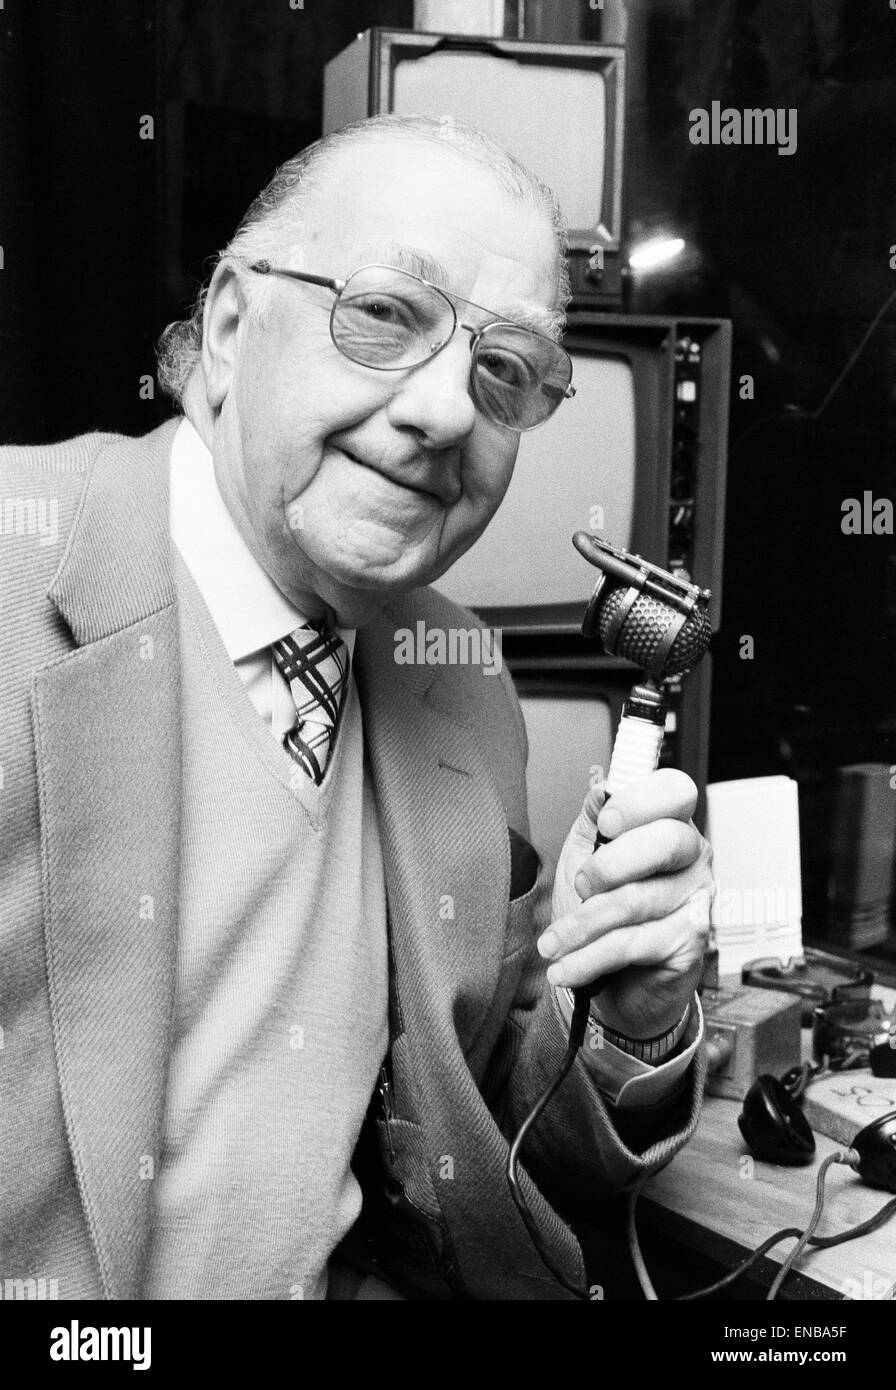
x=347, y=482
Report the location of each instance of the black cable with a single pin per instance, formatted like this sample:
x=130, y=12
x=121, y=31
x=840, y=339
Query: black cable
x=577, y=1030
x=804, y=1239
x=852, y=359
x=864, y=1229
x=795, y=412
x=787, y=1233
x=818, y=1242
x=634, y=1245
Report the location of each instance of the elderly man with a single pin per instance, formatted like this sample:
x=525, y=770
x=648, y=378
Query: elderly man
x=274, y=935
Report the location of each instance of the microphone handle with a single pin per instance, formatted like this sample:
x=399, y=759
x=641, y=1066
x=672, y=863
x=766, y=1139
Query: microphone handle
x=636, y=753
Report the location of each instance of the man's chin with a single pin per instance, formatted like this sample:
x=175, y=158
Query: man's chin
x=355, y=593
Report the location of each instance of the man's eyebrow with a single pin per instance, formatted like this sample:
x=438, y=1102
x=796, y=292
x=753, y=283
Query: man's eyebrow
x=409, y=258
x=534, y=316
x=520, y=311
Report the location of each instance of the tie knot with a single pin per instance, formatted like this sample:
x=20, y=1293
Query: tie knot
x=314, y=662
x=311, y=637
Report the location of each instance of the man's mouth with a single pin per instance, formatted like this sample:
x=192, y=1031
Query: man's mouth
x=445, y=495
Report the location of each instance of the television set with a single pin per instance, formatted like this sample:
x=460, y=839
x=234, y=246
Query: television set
x=506, y=87
x=639, y=457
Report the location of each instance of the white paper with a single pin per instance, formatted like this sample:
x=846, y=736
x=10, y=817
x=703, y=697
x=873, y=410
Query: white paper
x=753, y=826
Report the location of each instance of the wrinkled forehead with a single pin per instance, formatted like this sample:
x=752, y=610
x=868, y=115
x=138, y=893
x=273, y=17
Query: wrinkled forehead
x=431, y=211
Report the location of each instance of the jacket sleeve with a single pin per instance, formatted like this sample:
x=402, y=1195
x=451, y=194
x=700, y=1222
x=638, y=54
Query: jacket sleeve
x=582, y=1147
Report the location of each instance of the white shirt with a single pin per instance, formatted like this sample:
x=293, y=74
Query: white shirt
x=248, y=609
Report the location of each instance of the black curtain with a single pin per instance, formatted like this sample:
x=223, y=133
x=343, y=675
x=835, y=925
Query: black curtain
x=105, y=235
x=80, y=216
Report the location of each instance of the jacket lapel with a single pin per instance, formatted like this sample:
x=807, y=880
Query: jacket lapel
x=447, y=855
x=444, y=835
x=107, y=734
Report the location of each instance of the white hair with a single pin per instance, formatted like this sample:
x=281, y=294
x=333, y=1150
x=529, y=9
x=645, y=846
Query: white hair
x=272, y=225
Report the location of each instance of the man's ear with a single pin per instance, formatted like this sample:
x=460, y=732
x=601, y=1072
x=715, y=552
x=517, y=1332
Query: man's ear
x=225, y=306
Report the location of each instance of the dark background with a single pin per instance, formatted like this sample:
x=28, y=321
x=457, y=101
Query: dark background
x=105, y=236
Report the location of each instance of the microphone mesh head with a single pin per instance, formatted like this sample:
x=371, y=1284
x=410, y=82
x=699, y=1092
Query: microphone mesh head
x=641, y=635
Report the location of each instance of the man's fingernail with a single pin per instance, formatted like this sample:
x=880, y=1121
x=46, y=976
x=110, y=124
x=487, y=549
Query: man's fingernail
x=609, y=822
x=555, y=975
x=582, y=884
x=547, y=944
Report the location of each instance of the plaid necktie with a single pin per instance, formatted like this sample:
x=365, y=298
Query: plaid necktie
x=315, y=664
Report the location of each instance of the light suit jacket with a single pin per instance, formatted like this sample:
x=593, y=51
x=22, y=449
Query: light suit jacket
x=89, y=831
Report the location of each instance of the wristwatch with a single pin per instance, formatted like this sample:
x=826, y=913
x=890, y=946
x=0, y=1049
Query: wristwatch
x=652, y=1050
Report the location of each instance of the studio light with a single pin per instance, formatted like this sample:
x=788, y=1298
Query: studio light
x=656, y=252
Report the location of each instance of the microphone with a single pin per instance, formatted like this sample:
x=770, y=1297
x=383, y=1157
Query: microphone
x=647, y=615
x=658, y=621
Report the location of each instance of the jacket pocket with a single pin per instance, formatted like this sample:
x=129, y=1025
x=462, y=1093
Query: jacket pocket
x=527, y=916
x=403, y=1157
x=401, y=1218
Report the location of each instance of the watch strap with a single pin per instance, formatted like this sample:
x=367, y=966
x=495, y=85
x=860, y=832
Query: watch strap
x=651, y=1050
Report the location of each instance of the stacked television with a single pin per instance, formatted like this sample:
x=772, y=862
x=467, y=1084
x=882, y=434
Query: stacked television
x=638, y=455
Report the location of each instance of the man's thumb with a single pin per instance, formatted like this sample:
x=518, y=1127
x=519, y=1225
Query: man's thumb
x=585, y=827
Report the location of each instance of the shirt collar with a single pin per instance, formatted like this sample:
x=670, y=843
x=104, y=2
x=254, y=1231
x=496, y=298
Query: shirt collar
x=247, y=608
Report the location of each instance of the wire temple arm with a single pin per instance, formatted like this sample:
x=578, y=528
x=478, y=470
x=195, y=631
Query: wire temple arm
x=265, y=268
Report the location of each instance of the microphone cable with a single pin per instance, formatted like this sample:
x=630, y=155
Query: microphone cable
x=804, y=1239
x=809, y=1232
x=577, y=1030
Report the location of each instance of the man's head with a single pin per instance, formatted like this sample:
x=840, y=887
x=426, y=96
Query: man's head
x=349, y=482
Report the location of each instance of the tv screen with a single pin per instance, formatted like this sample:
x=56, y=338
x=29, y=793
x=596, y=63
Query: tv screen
x=568, y=736
x=636, y=456
x=575, y=473
x=500, y=96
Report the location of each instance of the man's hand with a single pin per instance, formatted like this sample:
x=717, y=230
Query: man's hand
x=636, y=911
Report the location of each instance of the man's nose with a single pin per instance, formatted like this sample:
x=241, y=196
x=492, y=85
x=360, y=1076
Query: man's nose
x=434, y=398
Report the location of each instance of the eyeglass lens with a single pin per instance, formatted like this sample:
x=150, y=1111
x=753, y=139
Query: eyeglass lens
x=389, y=319
x=384, y=318
x=519, y=378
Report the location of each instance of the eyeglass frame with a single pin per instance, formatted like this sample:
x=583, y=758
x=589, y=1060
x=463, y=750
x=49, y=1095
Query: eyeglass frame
x=336, y=286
